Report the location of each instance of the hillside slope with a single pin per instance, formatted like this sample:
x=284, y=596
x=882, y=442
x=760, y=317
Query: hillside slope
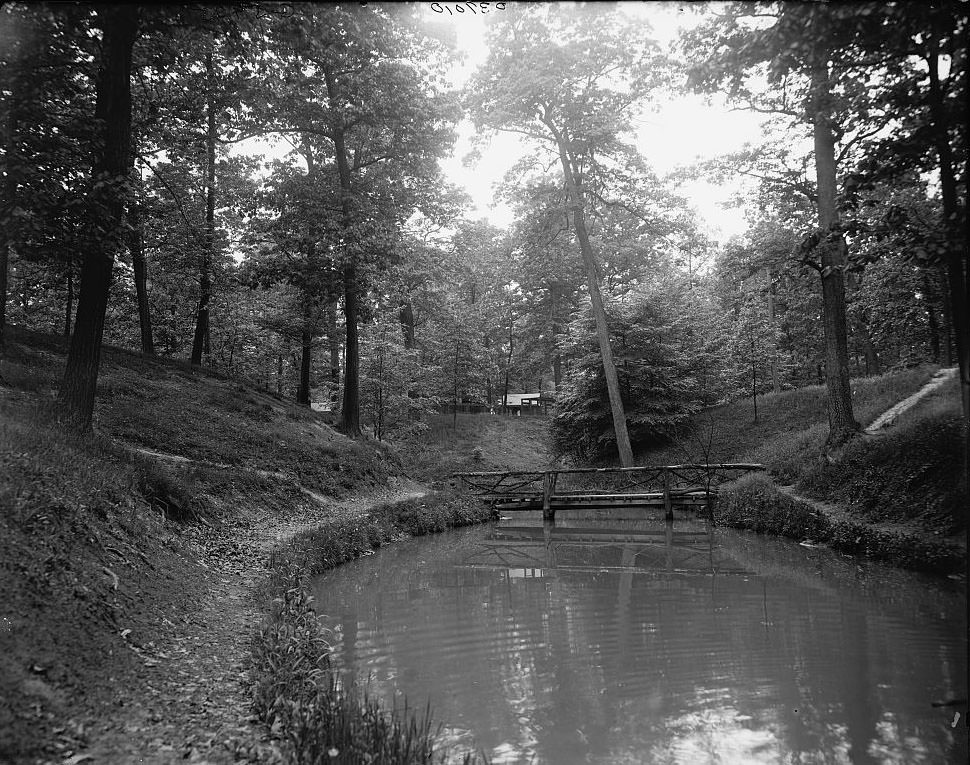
x=897, y=493
x=121, y=548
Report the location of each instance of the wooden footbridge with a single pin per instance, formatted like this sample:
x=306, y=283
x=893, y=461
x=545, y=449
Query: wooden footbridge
x=661, y=486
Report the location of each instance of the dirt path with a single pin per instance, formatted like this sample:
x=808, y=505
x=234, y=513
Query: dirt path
x=186, y=701
x=888, y=418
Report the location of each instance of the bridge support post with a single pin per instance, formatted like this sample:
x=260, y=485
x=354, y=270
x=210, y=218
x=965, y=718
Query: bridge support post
x=548, y=487
x=668, y=504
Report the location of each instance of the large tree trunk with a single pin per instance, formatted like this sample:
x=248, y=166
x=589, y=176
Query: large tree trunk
x=573, y=184
x=200, y=342
x=350, y=410
x=603, y=335
x=136, y=246
x=842, y=422
x=956, y=265
x=599, y=313
x=113, y=110
x=11, y=130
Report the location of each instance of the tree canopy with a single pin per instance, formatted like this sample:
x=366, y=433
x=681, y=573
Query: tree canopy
x=336, y=262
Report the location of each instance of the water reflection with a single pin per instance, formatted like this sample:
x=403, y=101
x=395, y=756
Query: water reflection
x=640, y=642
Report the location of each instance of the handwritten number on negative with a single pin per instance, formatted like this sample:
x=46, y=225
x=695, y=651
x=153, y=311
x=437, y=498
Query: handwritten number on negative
x=474, y=8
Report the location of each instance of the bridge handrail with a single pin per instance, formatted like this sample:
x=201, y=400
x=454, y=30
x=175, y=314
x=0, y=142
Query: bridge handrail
x=636, y=468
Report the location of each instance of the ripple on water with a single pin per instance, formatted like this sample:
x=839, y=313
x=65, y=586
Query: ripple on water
x=748, y=650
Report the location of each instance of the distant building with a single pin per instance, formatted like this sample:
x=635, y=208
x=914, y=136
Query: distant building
x=528, y=403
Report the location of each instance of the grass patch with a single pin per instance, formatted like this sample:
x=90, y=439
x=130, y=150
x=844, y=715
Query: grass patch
x=909, y=472
x=295, y=692
x=791, y=428
x=83, y=552
x=477, y=442
x=172, y=407
x=754, y=502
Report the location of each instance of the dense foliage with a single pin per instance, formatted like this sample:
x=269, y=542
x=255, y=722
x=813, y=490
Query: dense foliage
x=284, y=217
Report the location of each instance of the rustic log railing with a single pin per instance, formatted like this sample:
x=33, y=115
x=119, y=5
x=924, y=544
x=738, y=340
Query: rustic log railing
x=669, y=485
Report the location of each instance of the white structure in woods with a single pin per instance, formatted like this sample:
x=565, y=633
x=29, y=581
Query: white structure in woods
x=532, y=403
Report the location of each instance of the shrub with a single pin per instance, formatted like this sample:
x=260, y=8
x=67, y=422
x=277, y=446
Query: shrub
x=298, y=696
x=754, y=502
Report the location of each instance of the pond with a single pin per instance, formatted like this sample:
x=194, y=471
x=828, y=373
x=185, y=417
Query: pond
x=642, y=642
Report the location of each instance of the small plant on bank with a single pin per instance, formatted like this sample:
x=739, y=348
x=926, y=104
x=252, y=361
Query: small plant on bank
x=300, y=698
x=296, y=693
x=754, y=502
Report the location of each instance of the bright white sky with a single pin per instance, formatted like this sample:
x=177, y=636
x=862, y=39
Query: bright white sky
x=681, y=131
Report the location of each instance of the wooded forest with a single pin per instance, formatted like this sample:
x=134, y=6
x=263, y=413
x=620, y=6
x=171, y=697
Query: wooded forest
x=345, y=269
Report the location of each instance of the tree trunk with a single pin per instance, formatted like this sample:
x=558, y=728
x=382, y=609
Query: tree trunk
x=69, y=303
x=454, y=397
x=306, y=351
x=137, y=249
x=200, y=341
x=379, y=419
x=11, y=142
x=407, y=324
x=935, y=333
x=350, y=410
x=334, y=342
x=556, y=299
x=947, y=322
x=842, y=422
x=5, y=243
x=772, y=346
x=113, y=111
x=956, y=266
x=754, y=376
x=599, y=313
x=873, y=367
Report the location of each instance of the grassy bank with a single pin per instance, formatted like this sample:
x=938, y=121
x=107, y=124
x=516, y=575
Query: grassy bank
x=910, y=472
x=296, y=695
x=897, y=496
x=790, y=428
x=118, y=543
x=755, y=502
x=86, y=553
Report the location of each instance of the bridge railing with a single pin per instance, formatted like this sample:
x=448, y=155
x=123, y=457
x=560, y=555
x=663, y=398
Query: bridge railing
x=669, y=481
x=604, y=480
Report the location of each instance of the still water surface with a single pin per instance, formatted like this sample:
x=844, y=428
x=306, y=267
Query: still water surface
x=639, y=643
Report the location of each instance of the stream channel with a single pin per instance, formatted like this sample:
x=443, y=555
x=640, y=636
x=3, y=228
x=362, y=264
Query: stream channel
x=642, y=642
